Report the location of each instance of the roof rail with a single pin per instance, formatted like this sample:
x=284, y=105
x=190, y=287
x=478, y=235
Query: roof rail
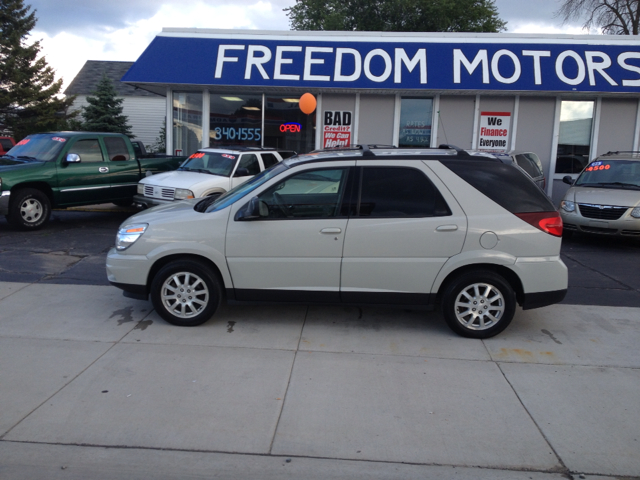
x=618, y=152
x=461, y=152
x=246, y=148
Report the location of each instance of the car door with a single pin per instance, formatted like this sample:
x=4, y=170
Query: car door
x=87, y=180
x=403, y=228
x=294, y=253
x=124, y=171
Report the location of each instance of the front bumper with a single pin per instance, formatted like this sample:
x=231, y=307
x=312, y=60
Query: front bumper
x=625, y=226
x=149, y=202
x=4, y=202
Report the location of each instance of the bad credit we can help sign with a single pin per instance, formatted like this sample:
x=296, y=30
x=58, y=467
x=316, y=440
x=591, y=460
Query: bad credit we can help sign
x=494, y=131
x=336, y=129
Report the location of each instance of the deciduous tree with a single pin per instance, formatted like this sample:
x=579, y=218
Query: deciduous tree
x=396, y=15
x=618, y=17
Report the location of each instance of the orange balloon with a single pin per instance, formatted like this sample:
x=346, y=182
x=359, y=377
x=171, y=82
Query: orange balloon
x=307, y=103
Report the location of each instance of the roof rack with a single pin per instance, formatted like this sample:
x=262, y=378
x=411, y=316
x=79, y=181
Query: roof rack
x=622, y=152
x=244, y=148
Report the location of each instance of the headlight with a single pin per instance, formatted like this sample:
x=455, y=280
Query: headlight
x=182, y=193
x=141, y=189
x=128, y=235
x=568, y=206
x=635, y=213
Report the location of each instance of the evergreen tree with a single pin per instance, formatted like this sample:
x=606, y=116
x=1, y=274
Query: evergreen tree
x=28, y=88
x=104, y=112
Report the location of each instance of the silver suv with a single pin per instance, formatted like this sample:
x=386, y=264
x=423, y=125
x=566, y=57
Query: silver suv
x=376, y=226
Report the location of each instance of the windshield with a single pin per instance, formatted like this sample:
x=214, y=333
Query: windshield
x=243, y=189
x=211, y=162
x=611, y=174
x=44, y=147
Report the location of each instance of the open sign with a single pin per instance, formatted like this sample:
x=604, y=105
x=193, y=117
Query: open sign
x=291, y=127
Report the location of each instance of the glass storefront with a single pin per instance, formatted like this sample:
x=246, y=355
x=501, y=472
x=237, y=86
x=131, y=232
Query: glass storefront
x=416, y=115
x=574, y=143
x=235, y=120
x=287, y=127
x=187, y=122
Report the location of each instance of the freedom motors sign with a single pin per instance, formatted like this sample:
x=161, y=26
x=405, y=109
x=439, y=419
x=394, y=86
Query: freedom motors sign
x=398, y=62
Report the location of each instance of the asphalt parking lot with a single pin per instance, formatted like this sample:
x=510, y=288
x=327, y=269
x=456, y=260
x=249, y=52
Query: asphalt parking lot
x=95, y=385
x=72, y=250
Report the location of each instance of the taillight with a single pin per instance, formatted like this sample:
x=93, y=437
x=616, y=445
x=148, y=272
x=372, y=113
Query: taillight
x=549, y=222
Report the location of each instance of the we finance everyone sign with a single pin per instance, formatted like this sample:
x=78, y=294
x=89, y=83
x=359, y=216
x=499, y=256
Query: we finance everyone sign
x=408, y=61
x=494, y=131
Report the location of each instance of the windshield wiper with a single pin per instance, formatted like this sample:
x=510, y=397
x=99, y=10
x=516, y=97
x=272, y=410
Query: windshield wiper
x=621, y=184
x=27, y=157
x=198, y=170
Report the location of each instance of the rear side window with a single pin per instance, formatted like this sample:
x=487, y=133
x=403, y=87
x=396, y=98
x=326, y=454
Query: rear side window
x=6, y=144
x=505, y=185
x=116, y=149
x=528, y=166
x=286, y=154
x=399, y=192
x=269, y=159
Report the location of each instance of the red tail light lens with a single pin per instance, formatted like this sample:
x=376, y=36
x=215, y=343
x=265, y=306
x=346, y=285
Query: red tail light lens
x=549, y=222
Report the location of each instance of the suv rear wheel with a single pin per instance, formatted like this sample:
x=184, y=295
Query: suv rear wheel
x=478, y=304
x=185, y=293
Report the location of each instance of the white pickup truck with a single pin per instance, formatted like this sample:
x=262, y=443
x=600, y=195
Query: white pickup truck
x=208, y=172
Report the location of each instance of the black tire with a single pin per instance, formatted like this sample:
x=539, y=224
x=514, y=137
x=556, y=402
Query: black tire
x=29, y=209
x=196, y=293
x=478, y=304
x=123, y=203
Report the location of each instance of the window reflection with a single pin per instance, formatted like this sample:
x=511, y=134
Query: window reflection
x=574, y=144
x=187, y=122
x=235, y=119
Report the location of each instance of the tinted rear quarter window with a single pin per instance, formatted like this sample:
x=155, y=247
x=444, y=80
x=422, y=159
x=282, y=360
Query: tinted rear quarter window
x=528, y=166
x=399, y=192
x=505, y=185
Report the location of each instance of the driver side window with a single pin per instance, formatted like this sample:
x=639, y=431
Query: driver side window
x=310, y=194
x=250, y=162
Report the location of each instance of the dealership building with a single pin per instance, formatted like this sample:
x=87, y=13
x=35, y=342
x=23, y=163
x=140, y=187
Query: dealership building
x=567, y=98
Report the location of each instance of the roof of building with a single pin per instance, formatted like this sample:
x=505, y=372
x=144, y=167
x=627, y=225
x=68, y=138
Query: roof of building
x=87, y=79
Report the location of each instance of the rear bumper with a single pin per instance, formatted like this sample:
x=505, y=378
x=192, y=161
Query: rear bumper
x=542, y=299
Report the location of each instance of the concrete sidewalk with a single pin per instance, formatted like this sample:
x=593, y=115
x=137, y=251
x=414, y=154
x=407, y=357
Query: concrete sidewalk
x=95, y=385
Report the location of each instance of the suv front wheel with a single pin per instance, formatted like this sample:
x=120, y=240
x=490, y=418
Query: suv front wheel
x=185, y=293
x=478, y=304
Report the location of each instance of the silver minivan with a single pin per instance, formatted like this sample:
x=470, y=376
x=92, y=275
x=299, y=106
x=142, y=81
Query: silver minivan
x=376, y=226
x=605, y=198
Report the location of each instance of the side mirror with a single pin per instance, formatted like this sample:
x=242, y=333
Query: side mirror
x=72, y=158
x=241, y=172
x=254, y=209
x=568, y=180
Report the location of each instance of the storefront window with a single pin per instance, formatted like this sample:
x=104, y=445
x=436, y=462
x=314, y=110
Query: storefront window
x=415, y=122
x=286, y=127
x=235, y=120
x=574, y=144
x=187, y=122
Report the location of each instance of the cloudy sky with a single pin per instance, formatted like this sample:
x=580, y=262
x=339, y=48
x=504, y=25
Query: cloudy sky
x=72, y=32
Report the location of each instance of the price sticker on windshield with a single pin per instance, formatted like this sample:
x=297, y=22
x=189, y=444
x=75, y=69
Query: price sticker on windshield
x=228, y=156
x=596, y=166
x=59, y=139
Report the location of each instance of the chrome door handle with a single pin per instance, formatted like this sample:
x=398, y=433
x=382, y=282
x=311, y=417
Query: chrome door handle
x=447, y=228
x=331, y=230
x=103, y=169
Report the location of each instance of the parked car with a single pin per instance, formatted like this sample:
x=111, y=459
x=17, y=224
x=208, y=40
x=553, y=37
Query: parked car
x=605, y=198
x=529, y=162
x=357, y=226
x=64, y=169
x=6, y=144
x=208, y=172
